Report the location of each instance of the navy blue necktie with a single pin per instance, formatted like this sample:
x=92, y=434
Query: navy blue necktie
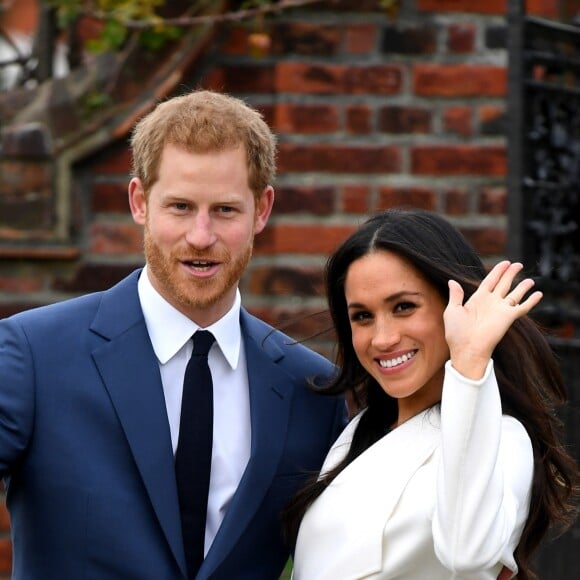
x=193, y=455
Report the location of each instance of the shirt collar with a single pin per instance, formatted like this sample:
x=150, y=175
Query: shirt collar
x=169, y=329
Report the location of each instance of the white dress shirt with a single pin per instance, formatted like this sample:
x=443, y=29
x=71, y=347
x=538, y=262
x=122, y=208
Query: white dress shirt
x=170, y=332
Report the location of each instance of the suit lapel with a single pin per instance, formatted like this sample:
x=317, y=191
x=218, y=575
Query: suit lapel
x=129, y=370
x=270, y=399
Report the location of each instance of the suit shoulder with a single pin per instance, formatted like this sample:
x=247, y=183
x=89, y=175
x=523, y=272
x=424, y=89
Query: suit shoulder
x=57, y=311
x=292, y=350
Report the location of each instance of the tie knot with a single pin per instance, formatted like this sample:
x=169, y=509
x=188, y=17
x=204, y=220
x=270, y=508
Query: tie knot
x=202, y=341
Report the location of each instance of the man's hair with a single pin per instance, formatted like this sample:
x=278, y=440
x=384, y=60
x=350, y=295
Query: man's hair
x=204, y=122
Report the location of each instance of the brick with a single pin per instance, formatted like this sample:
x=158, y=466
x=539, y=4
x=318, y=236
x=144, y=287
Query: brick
x=93, y=277
x=459, y=160
x=299, y=323
x=29, y=140
x=461, y=37
x=39, y=252
x=458, y=120
x=305, y=119
x=339, y=158
x=486, y=241
x=4, y=518
x=246, y=78
x=237, y=42
x=113, y=160
x=22, y=16
x=545, y=8
x=20, y=283
x=300, y=239
x=455, y=202
x=345, y=6
x=214, y=80
x=418, y=197
x=493, y=120
x=26, y=216
x=492, y=200
x=5, y=556
x=404, y=119
x=285, y=281
x=360, y=38
x=110, y=197
x=304, y=38
x=471, y=6
x=375, y=80
x=356, y=199
x=317, y=200
x=358, y=119
x=268, y=112
x=294, y=77
x=461, y=80
x=25, y=177
x=410, y=40
x=116, y=239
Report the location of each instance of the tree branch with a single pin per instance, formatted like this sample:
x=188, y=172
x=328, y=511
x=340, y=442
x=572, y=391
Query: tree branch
x=187, y=21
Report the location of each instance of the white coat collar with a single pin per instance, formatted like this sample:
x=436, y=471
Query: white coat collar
x=379, y=477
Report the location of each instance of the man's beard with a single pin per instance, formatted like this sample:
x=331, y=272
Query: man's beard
x=193, y=293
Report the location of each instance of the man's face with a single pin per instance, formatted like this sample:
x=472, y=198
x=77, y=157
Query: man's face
x=200, y=219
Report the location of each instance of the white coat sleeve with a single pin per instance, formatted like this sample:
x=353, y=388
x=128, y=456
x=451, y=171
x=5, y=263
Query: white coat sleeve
x=484, y=477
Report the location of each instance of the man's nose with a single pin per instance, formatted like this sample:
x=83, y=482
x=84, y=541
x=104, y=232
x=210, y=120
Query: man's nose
x=200, y=233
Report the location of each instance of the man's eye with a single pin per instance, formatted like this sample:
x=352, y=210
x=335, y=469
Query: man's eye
x=180, y=206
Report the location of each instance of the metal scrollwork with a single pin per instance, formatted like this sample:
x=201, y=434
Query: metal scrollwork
x=551, y=181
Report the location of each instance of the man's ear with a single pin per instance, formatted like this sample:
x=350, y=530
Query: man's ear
x=137, y=201
x=264, y=209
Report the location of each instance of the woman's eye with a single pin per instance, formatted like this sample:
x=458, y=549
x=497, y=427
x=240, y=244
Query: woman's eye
x=359, y=316
x=404, y=306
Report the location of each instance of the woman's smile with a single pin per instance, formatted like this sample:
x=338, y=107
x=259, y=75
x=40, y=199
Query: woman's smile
x=396, y=320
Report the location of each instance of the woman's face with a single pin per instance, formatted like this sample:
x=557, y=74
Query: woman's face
x=396, y=318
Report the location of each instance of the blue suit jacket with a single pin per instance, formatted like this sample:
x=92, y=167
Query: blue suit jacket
x=86, y=450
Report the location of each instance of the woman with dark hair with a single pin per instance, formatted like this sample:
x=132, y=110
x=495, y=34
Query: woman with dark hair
x=453, y=466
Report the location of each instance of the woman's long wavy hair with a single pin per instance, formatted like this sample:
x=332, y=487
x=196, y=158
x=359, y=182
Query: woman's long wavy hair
x=531, y=386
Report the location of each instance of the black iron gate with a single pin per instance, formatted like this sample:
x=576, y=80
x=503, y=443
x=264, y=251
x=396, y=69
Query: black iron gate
x=544, y=207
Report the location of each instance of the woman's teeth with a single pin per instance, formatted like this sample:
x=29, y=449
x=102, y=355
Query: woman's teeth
x=393, y=362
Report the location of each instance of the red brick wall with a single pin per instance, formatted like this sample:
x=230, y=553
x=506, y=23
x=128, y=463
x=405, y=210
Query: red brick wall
x=371, y=112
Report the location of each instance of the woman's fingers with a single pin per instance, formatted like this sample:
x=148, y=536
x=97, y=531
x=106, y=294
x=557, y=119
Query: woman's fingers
x=500, y=280
x=482, y=321
x=456, y=293
x=502, y=276
x=517, y=294
x=494, y=276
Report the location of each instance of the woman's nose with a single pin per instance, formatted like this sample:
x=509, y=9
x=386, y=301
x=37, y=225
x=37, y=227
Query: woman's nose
x=386, y=336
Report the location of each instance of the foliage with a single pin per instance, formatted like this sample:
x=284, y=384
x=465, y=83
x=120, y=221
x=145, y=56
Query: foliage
x=114, y=14
x=120, y=18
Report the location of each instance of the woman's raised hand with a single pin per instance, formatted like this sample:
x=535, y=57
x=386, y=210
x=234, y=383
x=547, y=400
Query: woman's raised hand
x=473, y=329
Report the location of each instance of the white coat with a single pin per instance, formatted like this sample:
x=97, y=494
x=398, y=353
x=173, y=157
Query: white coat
x=445, y=495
